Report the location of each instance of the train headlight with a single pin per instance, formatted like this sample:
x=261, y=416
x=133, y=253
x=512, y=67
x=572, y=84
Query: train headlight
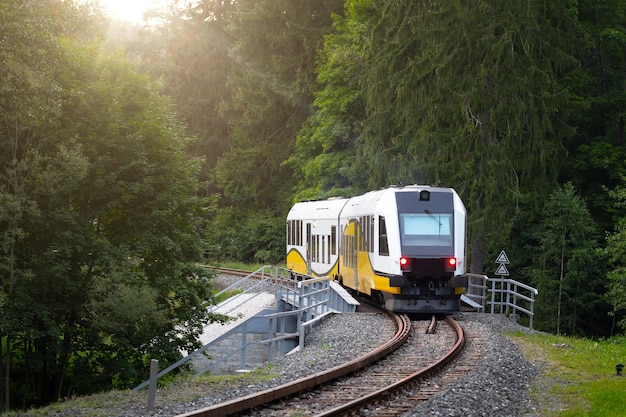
x=424, y=195
x=405, y=263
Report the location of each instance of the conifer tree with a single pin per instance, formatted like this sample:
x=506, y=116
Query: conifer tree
x=469, y=95
x=564, y=271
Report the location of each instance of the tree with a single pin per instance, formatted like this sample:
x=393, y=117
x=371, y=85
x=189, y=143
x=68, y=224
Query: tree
x=327, y=157
x=615, y=252
x=271, y=83
x=102, y=220
x=191, y=53
x=469, y=95
x=597, y=151
x=564, y=273
x=31, y=164
x=274, y=48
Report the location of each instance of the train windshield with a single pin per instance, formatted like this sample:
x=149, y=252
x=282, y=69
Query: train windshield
x=426, y=229
x=426, y=226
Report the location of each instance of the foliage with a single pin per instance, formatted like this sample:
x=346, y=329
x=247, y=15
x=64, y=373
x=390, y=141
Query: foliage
x=470, y=97
x=275, y=46
x=191, y=54
x=596, y=152
x=260, y=246
x=327, y=156
x=570, y=299
x=101, y=218
x=615, y=252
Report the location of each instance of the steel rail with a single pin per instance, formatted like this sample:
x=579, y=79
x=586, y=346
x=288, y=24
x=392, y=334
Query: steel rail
x=238, y=405
x=434, y=368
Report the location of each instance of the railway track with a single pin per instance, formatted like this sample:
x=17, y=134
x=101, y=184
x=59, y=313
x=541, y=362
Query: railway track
x=252, y=402
x=391, y=386
x=388, y=381
x=383, y=382
x=228, y=271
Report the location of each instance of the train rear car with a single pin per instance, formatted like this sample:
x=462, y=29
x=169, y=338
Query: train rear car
x=403, y=246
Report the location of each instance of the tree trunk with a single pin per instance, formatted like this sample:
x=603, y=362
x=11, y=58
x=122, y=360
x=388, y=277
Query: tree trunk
x=478, y=252
x=6, y=377
x=558, y=310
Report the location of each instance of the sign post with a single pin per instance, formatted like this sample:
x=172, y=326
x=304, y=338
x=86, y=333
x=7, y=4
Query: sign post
x=502, y=260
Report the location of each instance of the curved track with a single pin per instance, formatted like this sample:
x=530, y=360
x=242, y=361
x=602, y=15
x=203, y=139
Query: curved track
x=383, y=382
x=402, y=392
x=264, y=397
x=380, y=383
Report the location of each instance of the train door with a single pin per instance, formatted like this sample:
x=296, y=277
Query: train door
x=355, y=254
x=309, y=245
x=350, y=252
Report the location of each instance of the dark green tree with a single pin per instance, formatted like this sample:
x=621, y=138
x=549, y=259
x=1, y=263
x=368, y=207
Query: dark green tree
x=469, y=95
x=615, y=252
x=597, y=151
x=570, y=299
x=327, y=159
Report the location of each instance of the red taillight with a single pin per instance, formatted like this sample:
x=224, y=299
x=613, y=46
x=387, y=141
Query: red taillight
x=450, y=264
x=404, y=263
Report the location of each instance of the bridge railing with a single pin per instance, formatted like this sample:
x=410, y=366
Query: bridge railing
x=502, y=295
x=306, y=300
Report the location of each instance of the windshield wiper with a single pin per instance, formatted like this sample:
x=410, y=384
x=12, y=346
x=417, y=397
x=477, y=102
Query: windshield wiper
x=432, y=216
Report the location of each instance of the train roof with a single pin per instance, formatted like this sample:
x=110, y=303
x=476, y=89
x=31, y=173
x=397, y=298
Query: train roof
x=319, y=209
x=332, y=207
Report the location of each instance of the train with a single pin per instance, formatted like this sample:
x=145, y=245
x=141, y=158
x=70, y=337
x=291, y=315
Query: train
x=402, y=246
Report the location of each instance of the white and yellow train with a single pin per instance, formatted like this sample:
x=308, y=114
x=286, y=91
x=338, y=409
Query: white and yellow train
x=403, y=246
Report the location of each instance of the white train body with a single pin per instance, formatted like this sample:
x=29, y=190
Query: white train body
x=403, y=246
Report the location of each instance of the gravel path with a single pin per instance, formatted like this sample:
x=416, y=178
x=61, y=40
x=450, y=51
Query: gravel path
x=498, y=386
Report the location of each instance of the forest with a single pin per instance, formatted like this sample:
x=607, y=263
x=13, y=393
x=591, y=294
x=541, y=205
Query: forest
x=131, y=154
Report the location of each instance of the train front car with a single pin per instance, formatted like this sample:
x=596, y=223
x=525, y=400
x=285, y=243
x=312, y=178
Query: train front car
x=405, y=247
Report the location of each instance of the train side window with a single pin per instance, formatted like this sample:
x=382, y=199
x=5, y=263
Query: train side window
x=383, y=245
x=328, y=248
x=361, y=234
x=316, y=246
x=333, y=240
x=370, y=234
x=309, y=239
x=299, y=232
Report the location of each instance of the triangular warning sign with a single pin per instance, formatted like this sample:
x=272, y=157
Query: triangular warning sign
x=502, y=258
x=502, y=271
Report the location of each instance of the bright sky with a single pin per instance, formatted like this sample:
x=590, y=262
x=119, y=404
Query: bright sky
x=130, y=10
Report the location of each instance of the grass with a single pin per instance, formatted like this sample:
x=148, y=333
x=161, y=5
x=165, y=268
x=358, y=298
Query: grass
x=579, y=376
x=184, y=388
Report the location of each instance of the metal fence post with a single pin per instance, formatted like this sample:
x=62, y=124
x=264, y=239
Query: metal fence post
x=154, y=370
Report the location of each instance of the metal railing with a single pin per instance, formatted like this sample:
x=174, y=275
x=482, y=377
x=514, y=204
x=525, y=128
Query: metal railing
x=306, y=300
x=503, y=295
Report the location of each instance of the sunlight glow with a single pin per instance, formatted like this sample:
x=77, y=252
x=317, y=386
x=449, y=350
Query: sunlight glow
x=130, y=10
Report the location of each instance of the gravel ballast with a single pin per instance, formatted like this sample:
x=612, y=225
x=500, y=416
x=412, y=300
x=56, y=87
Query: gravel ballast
x=499, y=385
